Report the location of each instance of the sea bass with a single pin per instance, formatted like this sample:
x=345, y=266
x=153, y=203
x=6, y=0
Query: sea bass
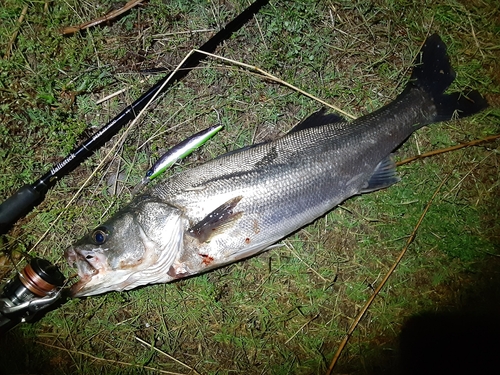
x=241, y=203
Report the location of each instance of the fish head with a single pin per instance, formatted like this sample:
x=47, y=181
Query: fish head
x=135, y=247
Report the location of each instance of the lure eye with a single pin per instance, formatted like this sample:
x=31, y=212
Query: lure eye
x=99, y=235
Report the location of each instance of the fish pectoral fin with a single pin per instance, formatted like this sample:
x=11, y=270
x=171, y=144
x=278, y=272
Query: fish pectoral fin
x=216, y=221
x=383, y=176
x=318, y=118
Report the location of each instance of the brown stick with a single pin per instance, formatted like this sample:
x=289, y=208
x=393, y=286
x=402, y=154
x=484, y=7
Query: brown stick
x=448, y=149
x=14, y=35
x=383, y=282
x=275, y=79
x=166, y=355
x=105, y=18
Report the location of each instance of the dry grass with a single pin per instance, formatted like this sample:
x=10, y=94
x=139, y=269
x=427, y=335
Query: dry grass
x=285, y=311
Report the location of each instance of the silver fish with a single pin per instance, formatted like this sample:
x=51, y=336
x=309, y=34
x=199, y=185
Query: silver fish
x=241, y=203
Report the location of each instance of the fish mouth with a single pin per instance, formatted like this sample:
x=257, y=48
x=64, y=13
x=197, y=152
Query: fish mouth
x=85, y=269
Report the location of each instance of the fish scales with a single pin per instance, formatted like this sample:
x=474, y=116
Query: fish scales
x=245, y=201
x=309, y=169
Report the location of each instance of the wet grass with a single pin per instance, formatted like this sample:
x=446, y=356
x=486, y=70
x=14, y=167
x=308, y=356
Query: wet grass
x=287, y=310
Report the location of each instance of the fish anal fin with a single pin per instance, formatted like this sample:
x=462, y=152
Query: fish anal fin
x=383, y=176
x=318, y=118
x=216, y=221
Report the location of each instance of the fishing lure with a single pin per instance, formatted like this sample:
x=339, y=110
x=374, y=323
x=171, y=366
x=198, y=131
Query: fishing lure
x=179, y=151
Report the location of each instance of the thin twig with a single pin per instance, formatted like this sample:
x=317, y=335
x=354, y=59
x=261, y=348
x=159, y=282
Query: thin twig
x=384, y=281
x=448, y=149
x=165, y=354
x=405, y=70
x=112, y=361
x=112, y=95
x=475, y=37
x=159, y=132
x=260, y=29
x=467, y=174
x=290, y=248
x=300, y=329
x=107, y=17
x=16, y=31
x=276, y=79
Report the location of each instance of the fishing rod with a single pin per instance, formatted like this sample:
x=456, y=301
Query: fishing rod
x=31, y=195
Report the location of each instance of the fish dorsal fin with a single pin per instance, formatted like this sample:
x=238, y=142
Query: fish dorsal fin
x=317, y=119
x=216, y=220
x=383, y=176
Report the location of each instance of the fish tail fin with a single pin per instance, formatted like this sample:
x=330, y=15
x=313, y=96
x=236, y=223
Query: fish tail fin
x=434, y=74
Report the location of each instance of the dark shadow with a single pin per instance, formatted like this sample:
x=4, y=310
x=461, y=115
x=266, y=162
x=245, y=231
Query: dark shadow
x=22, y=355
x=463, y=338
x=450, y=343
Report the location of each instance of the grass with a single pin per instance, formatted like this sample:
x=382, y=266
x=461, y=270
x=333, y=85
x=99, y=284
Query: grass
x=287, y=310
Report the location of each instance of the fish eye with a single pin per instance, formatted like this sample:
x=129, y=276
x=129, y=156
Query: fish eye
x=99, y=235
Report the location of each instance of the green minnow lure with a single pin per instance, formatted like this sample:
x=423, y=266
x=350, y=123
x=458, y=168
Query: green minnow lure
x=180, y=151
